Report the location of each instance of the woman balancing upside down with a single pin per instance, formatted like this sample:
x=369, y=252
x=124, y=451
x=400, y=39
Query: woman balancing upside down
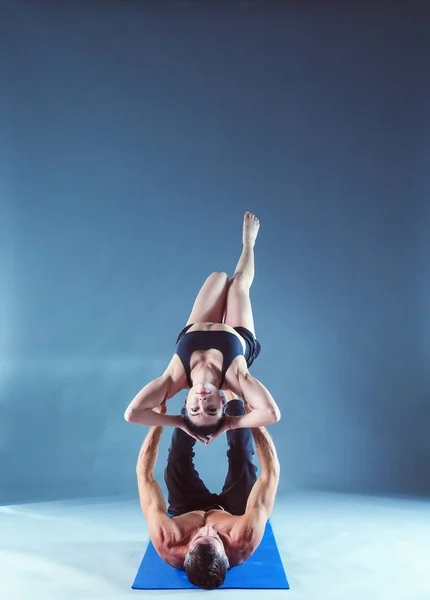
x=213, y=353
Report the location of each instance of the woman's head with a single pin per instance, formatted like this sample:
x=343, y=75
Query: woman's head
x=204, y=409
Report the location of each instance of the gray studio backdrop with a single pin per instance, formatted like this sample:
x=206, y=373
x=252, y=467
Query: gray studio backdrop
x=133, y=137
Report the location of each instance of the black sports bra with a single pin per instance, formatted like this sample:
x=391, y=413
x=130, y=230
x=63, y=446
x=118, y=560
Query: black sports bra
x=227, y=343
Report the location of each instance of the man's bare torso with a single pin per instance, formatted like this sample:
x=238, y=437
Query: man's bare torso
x=172, y=536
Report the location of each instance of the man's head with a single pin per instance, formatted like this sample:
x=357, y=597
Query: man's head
x=206, y=563
x=204, y=409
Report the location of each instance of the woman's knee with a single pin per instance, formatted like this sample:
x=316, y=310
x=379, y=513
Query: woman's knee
x=218, y=277
x=240, y=283
x=235, y=408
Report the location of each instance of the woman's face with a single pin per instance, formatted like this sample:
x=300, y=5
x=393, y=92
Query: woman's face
x=204, y=404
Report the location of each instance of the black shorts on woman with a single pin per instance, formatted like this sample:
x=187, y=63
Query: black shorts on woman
x=186, y=491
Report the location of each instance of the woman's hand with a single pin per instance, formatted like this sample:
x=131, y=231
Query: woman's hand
x=182, y=424
x=226, y=426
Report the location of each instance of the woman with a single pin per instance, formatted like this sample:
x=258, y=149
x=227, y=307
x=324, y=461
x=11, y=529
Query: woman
x=213, y=353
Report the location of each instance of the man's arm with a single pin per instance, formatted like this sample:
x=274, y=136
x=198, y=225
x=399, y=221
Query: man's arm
x=262, y=496
x=162, y=531
x=151, y=496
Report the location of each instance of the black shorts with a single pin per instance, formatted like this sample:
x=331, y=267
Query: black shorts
x=253, y=346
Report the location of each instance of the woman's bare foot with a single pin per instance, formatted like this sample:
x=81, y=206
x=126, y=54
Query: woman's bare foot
x=251, y=225
x=245, y=265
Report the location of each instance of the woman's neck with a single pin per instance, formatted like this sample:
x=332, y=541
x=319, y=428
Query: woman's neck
x=205, y=374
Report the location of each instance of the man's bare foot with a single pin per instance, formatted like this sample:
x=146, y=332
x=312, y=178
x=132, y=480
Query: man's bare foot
x=251, y=225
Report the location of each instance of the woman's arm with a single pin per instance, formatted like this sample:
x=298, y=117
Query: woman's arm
x=264, y=409
x=140, y=410
x=154, y=394
x=260, y=406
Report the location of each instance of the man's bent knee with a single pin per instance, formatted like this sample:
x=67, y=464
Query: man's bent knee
x=235, y=408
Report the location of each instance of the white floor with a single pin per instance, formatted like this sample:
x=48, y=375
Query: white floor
x=333, y=547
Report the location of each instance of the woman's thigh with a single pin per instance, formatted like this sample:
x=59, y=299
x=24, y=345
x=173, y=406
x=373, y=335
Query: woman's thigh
x=209, y=306
x=238, y=312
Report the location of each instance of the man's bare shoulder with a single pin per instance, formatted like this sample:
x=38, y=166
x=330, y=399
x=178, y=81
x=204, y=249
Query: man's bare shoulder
x=171, y=536
x=241, y=534
x=167, y=539
x=160, y=526
x=247, y=533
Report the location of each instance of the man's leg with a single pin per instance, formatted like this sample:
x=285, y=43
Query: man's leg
x=186, y=491
x=242, y=472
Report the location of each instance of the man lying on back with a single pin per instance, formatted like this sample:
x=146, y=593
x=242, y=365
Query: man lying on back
x=208, y=533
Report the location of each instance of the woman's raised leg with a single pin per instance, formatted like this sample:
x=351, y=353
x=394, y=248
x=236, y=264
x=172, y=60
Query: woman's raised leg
x=209, y=305
x=238, y=312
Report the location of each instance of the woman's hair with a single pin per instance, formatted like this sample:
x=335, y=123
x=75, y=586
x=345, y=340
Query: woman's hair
x=206, y=567
x=202, y=429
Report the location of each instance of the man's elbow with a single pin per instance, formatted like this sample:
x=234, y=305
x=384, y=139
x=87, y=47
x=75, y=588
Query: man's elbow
x=271, y=473
x=276, y=473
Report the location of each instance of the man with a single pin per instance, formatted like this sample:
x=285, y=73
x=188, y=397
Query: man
x=208, y=533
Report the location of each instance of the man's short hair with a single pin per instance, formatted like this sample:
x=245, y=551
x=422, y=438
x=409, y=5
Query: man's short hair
x=202, y=429
x=205, y=566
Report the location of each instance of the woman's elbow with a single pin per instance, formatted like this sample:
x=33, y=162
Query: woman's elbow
x=276, y=414
x=130, y=415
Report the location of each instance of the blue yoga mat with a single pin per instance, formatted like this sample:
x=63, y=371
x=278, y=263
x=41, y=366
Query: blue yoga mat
x=263, y=570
